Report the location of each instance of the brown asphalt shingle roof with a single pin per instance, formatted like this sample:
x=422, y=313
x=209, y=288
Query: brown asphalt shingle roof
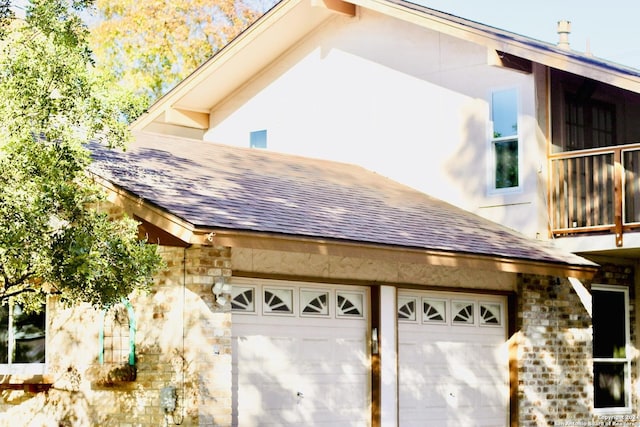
x=217, y=186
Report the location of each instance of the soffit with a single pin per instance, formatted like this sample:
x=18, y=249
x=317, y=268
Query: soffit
x=249, y=53
x=290, y=20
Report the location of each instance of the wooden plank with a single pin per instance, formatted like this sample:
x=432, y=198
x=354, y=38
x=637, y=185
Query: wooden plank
x=589, y=193
x=618, y=196
x=564, y=220
x=631, y=187
x=597, y=171
x=580, y=196
x=555, y=201
x=571, y=194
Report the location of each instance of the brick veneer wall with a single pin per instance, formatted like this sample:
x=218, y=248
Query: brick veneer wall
x=554, y=350
x=554, y=344
x=183, y=339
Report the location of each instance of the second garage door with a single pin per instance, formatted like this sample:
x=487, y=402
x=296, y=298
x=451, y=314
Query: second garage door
x=453, y=360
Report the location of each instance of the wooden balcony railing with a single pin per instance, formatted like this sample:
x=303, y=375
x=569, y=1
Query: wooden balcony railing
x=595, y=191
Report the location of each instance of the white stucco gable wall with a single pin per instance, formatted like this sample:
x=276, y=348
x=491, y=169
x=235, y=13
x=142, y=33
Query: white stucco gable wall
x=409, y=103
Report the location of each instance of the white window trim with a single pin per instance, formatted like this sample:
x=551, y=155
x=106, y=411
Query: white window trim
x=447, y=311
x=260, y=285
x=491, y=163
x=404, y=299
x=25, y=369
x=266, y=311
x=627, y=409
x=257, y=298
x=501, y=315
x=344, y=293
x=302, y=306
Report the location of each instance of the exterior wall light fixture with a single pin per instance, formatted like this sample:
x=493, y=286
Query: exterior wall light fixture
x=222, y=291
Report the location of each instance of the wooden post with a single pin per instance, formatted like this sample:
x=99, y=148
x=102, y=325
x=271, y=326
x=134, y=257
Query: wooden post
x=617, y=179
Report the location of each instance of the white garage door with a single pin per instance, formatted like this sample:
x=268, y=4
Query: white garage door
x=453, y=360
x=300, y=355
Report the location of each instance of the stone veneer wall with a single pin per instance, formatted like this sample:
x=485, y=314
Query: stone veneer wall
x=554, y=346
x=182, y=340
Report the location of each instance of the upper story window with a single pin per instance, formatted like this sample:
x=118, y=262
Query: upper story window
x=258, y=139
x=505, y=150
x=22, y=340
x=588, y=123
x=611, y=343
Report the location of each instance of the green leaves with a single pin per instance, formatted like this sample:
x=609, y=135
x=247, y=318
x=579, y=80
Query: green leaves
x=52, y=102
x=151, y=45
x=93, y=263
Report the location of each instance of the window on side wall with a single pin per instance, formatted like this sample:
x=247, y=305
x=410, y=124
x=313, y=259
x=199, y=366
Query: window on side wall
x=611, y=358
x=505, y=150
x=22, y=340
x=588, y=124
x=117, y=335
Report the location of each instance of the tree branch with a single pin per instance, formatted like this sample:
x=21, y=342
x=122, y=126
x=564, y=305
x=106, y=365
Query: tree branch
x=6, y=296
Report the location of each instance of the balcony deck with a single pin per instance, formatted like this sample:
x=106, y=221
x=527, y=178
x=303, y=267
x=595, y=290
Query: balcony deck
x=595, y=191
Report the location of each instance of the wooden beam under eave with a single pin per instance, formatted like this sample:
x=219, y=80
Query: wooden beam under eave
x=187, y=118
x=141, y=210
x=266, y=241
x=156, y=235
x=348, y=9
x=505, y=60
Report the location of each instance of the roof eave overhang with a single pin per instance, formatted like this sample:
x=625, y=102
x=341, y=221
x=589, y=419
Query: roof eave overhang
x=262, y=43
x=189, y=104
x=207, y=236
x=400, y=254
x=139, y=208
x=503, y=41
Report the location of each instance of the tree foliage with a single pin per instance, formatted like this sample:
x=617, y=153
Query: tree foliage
x=52, y=101
x=151, y=45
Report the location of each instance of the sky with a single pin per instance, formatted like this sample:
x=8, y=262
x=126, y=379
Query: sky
x=611, y=28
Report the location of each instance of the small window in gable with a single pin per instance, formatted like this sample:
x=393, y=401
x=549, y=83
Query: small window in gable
x=258, y=139
x=504, y=140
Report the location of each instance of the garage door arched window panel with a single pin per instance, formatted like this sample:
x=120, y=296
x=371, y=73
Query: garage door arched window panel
x=434, y=310
x=349, y=304
x=407, y=308
x=314, y=302
x=463, y=312
x=490, y=314
x=277, y=301
x=243, y=299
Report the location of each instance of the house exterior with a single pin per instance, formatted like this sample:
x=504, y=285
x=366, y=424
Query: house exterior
x=301, y=289
x=535, y=136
